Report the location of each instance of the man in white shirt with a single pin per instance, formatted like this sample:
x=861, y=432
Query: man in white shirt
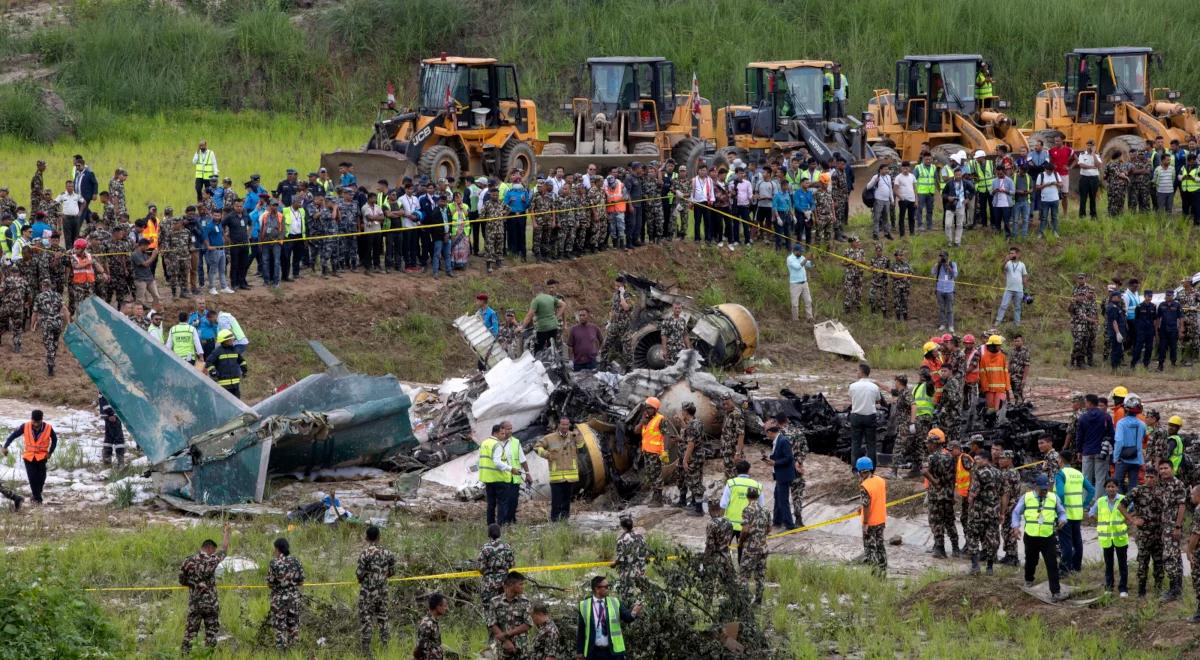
x=205, y=162
x=556, y=181
x=71, y=203
x=1047, y=185
x=411, y=208
x=798, y=266
x=1014, y=285
x=1089, y=164
x=905, y=185
x=865, y=395
x=885, y=196
x=701, y=199
x=1003, y=190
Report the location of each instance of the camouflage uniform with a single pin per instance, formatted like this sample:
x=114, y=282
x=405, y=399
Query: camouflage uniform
x=1010, y=484
x=568, y=226
x=597, y=232
x=900, y=288
x=875, y=553
x=507, y=614
x=429, y=640
x=799, y=444
x=877, y=295
x=692, y=480
x=284, y=577
x=1139, y=183
x=176, y=247
x=116, y=197
x=949, y=408
x=732, y=426
x=676, y=223
x=1083, y=329
x=8, y=207
x=983, y=522
x=547, y=642
x=756, y=523
x=908, y=446
x=1144, y=503
x=824, y=218
x=324, y=249
x=1194, y=558
x=1190, y=343
x=510, y=341
x=1171, y=493
x=35, y=189
x=199, y=574
x=496, y=559
x=1051, y=464
x=956, y=360
x=119, y=266
x=1115, y=173
x=674, y=331
x=841, y=199
x=31, y=271
x=101, y=236
x=375, y=566
x=718, y=536
x=78, y=292
x=651, y=191
x=347, y=223
x=1159, y=445
x=542, y=211
x=852, y=278
x=494, y=211
x=48, y=306
x=618, y=328
x=13, y=292
x=940, y=496
x=1018, y=360
x=630, y=563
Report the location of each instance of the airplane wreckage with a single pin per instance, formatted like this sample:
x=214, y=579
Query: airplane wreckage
x=206, y=448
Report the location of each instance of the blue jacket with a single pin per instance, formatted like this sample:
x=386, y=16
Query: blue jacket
x=1089, y=491
x=1091, y=430
x=517, y=201
x=785, y=462
x=1129, y=433
x=491, y=320
x=802, y=200
x=251, y=201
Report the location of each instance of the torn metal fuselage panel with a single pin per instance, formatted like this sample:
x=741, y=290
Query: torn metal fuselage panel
x=204, y=444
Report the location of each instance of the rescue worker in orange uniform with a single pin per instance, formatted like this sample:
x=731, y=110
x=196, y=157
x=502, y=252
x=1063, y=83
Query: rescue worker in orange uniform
x=654, y=449
x=962, y=484
x=873, y=498
x=993, y=373
x=39, y=441
x=973, y=354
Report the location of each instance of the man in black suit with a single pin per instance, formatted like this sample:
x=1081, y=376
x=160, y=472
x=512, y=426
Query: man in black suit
x=598, y=634
x=784, y=473
x=85, y=185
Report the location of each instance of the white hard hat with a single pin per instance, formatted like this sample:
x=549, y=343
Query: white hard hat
x=958, y=156
x=979, y=154
x=738, y=163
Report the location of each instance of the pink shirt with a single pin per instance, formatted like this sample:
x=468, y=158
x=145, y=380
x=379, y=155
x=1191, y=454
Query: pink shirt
x=744, y=192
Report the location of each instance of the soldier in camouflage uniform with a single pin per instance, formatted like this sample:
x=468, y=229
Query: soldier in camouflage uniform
x=691, y=474
x=939, y=494
x=429, y=631
x=908, y=446
x=176, y=246
x=492, y=214
x=510, y=337
x=674, y=332
x=542, y=210
x=116, y=192
x=949, y=407
x=508, y=619
x=597, y=233
x=651, y=191
x=824, y=218
x=568, y=221
x=799, y=444
x=199, y=574
x=547, y=641
x=347, y=223
x=1190, y=300
x=900, y=285
x=840, y=189
x=98, y=241
x=852, y=275
x=1139, y=182
x=877, y=294
x=52, y=210
x=983, y=539
x=322, y=224
x=733, y=434
x=1159, y=446
x=1146, y=507
x=284, y=577
x=13, y=291
x=1116, y=181
x=8, y=207
x=375, y=565
x=1010, y=490
x=48, y=313
x=36, y=184
x=756, y=523
x=718, y=536
x=119, y=265
x=616, y=336
x=1051, y=461
x=676, y=222
x=495, y=560
x=1018, y=364
x=630, y=561
x=1083, y=327
x=874, y=551
x=1172, y=497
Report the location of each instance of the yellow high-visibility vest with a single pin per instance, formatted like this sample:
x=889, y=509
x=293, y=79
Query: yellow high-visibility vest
x=1073, y=493
x=1111, y=528
x=738, y=486
x=205, y=165
x=1040, y=518
x=488, y=472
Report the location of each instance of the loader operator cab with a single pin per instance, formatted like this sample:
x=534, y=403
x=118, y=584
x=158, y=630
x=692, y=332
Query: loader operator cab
x=1098, y=79
x=478, y=92
x=780, y=93
x=643, y=87
x=929, y=86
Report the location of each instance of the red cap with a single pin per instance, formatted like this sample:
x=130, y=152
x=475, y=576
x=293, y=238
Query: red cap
x=936, y=340
x=80, y=244
x=947, y=337
x=482, y=296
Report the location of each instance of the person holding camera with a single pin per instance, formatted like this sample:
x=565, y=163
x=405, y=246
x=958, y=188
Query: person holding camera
x=945, y=272
x=1015, y=273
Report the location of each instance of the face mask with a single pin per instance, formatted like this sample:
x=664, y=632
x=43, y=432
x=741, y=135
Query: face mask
x=21, y=217
x=45, y=242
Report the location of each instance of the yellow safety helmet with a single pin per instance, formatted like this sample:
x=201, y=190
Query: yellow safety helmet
x=929, y=346
x=1119, y=391
x=995, y=340
x=224, y=336
x=1176, y=420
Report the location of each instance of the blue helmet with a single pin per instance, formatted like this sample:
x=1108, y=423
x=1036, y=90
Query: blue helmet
x=864, y=464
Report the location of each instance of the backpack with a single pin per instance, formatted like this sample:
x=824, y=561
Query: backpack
x=868, y=195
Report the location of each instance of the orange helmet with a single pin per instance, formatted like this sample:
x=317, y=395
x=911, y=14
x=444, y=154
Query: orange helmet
x=937, y=435
x=653, y=402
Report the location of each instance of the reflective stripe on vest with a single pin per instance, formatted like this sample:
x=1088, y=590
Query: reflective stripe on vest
x=1176, y=456
x=488, y=472
x=616, y=198
x=875, y=513
x=289, y=214
x=923, y=400
x=1073, y=493
x=1040, y=519
x=228, y=381
x=962, y=478
x=1111, y=528
x=1192, y=184
x=82, y=271
x=983, y=88
x=204, y=165
x=182, y=343
x=738, y=500
x=514, y=460
x=652, y=436
x=926, y=179
x=36, y=448
x=983, y=175
x=616, y=640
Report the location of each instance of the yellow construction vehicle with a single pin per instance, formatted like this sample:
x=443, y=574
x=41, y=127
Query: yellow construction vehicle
x=785, y=111
x=1106, y=97
x=470, y=120
x=631, y=113
x=945, y=101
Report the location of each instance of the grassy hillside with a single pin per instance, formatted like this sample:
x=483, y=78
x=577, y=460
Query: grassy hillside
x=334, y=60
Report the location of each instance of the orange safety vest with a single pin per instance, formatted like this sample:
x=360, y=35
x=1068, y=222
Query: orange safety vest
x=150, y=233
x=652, y=437
x=993, y=376
x=875, y=513
x=938, y=386
x=36, y=449
x=972, y=375
x=962, y=478
x=82, y=271
x=616, y=198
x=932, y=364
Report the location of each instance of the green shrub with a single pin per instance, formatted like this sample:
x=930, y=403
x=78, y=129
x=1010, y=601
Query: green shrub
x=41, y=616
x=23, y=115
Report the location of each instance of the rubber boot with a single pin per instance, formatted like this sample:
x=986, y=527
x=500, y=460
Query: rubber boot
x=697, y=508
x=954, y=551
x=989, y=568
x=683, y=501
x=939, y=549
x=1141, y=589
x=17, y=503
x=656, y=500
x=1173, y=593
x=974, y=564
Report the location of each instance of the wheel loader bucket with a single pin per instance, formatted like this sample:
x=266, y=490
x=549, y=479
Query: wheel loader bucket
x=370, y=165
x=578, y=163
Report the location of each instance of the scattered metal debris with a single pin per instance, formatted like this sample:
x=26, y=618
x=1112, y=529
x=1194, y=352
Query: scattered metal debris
x=833, y=337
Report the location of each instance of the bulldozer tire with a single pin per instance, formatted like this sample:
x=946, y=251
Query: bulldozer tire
x=942, y=152
x=646, y=149
x=439, y=162
x=1122, y=144
x=517, y=155
x=882, y=153
x=689, y=152
x=1046, y=135
x=726, y=155
x=554, y=149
